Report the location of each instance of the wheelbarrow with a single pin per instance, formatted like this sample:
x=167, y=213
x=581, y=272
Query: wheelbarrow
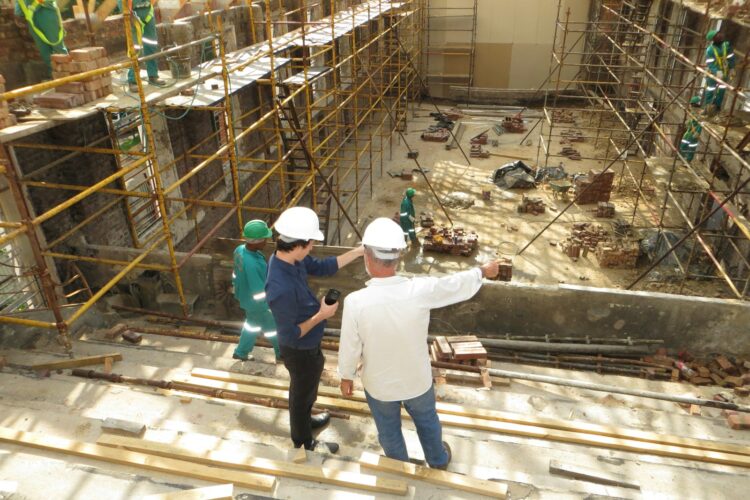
x=560, y=188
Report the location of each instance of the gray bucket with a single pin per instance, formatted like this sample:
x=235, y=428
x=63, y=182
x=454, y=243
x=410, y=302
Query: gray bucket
x=180, y=67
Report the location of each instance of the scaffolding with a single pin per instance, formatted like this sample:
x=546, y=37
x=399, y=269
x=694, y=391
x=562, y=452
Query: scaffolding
x=304, y=115
x=641, y=62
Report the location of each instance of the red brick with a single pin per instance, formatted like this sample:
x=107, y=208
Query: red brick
x=58, y=100
x=95, y=85
x=89, y=96
x=88, y=53
x=70, y=88
x=81, y=66
x=2, y=79
x=60, y=58
x=739, y=421
x=733, y=381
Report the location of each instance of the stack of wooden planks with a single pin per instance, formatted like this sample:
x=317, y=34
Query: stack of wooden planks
x=464, y=349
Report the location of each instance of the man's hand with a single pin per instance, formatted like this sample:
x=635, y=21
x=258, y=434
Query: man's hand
x=327, y=311
x=347, y=387
x=490, y=269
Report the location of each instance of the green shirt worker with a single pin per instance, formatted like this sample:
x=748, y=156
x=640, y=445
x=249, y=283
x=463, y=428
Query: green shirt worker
x=145, y=39
x=407, y=216
x=249, y=280
x=45, y=26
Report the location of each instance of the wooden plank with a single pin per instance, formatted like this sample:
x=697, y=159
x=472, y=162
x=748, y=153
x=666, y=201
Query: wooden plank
x=469, y=353
x=107, y=365
x=299, y=456
x=205, y=454
x=490, y=489
x=567, y=425
x=444, y=348
x=77, y=362
x=218, y=492
x=467, y=345
x=461, y=338
x=167, y=465
x=639, y=447
x=591, y=475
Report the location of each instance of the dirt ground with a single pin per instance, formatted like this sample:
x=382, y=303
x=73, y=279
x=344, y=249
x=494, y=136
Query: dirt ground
x=504, y=232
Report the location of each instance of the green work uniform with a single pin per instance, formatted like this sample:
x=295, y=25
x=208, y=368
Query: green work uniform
x=689, y=142
x=45, y=27
x=718, y=59
x=144, y=20
x=249, y=280
x=407, y=218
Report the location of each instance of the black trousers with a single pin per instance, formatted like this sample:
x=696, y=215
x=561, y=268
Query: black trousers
x=304, y=367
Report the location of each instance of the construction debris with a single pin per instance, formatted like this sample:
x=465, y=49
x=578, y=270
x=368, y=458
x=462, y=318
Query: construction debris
x=562, y=116
x=620, y=254
x=605, y=210
x=477, y=152
x=571, y=135
x=479, y=138
x=531, y=205
x=514, y=124
x=436, y=135
x=426, y=219
x=571, y=153
x=454, y=241
x=516, y=175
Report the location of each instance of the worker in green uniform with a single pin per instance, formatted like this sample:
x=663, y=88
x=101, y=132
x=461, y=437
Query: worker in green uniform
x=407, y=216
x=145, y=39
x=719, y=62
x=46, y=27
x=249, y=280
x=689, y=142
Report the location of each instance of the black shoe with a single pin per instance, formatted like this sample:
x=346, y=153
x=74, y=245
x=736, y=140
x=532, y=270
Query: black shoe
x=155, y=80
x=246, y=358
x=323, y=446
x=450, y=456
x=320, y=420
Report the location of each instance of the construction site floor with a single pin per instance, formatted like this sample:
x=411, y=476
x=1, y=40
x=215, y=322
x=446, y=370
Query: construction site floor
x=74, y=408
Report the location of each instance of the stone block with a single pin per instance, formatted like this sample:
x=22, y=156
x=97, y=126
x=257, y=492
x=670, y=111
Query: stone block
x=739, y=421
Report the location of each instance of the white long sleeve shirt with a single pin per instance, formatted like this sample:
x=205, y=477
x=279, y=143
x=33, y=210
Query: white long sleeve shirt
x=385, y=325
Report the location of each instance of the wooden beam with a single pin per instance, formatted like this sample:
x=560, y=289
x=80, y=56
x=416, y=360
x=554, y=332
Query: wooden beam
x=167, y=465
x=218, y=492
x=77, y=362
x=206, y=454
x=514, y=418
x=591, y=475
x=490, y=489
x=516, y=429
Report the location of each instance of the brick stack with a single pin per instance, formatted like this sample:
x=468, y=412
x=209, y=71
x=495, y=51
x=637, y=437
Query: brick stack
x=605, y=210
x=618, y=255
x=465, y=349
x=13, y=46
x=595, y=188
x=6, y=118
x=70, y=95
x=531, y=205
x=506, y=269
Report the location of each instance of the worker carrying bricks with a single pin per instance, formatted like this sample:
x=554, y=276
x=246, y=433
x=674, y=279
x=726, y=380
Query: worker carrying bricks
x=45, y=26
x=691, y=137
x=145, y=40
x=301, y=317
x=720, y=63
x=407, y=216
x=249, y=281
x=384, y=325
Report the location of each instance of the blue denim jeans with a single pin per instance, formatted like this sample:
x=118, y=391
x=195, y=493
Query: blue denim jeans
x=387, y=416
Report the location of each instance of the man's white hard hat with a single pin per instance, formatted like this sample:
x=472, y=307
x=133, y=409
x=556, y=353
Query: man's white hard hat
x=385, y=237
x=299, y=223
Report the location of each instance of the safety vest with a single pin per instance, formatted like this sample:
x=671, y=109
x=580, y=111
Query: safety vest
x=141, y=24
x=721, y=60
x=28, y=13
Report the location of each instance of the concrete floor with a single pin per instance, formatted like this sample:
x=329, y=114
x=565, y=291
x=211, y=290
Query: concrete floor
x=74, y=408
x=502, y=231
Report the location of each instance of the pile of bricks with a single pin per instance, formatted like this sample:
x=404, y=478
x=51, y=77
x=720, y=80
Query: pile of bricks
x=464, y=349
x=584, y=236
x=571, y=135
x=477, y=152
x=426, y=219
x=454, y=241
x=78, y=93
x=570, y=153
x=531, y=205
x=6, y=118
x=505, y=266
x=479, y=139
x=594, y=188
x=605, y=210
x=618, y=255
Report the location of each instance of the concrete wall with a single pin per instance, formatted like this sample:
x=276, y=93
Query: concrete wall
x=513, y=41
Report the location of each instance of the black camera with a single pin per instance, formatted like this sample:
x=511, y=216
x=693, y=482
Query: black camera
x=332, y=296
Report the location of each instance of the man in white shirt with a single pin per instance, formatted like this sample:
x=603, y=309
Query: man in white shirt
x=385, y=325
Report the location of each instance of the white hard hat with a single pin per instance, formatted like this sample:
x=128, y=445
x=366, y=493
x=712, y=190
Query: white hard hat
x=385, y=238
x=299, y=223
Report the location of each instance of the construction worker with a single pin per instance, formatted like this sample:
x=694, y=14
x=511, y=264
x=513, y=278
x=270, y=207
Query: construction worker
x=144, y=39
x=300, y=317
x=45, y=26
x=384, y=326
x=407, y=216
x=719, y=62
x=249, y=280
x=689, y=142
